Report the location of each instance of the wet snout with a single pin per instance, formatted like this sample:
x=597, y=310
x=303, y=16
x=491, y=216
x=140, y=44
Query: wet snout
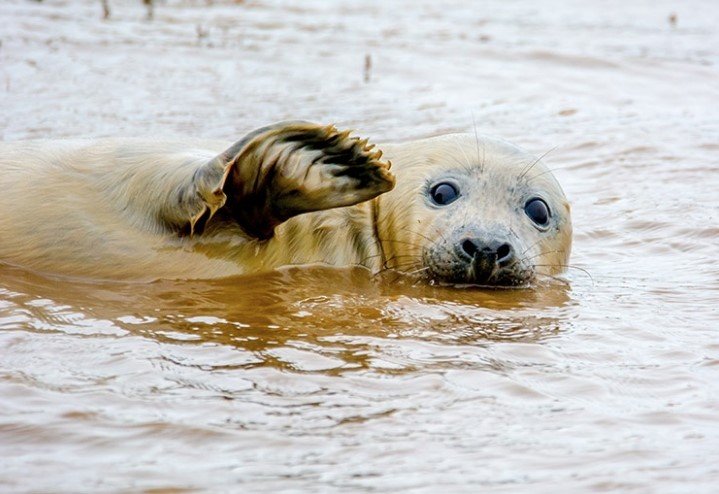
x=485, y=257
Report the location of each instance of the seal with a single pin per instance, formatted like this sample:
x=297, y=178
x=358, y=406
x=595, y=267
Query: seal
x=465, y=209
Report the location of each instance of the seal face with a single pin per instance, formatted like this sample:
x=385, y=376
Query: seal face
x=473, y=210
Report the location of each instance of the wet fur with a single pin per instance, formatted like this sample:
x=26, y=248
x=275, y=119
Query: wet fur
x=290, y=193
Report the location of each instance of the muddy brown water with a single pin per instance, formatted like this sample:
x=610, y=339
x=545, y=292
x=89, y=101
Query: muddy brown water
x=332, y=380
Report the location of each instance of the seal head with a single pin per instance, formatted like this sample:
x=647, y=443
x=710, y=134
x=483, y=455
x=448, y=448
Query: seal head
x=473, y=210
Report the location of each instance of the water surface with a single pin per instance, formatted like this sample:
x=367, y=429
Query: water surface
x=322, y=379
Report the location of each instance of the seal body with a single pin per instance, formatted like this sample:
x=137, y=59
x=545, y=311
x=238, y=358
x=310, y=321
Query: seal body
x=289, y=193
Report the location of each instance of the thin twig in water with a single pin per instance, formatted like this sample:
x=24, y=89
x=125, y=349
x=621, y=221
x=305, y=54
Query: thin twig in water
x=105, y=9
x=367, y=67
x=150, y=9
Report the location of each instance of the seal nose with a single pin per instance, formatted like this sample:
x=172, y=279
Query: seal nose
x=488, y=253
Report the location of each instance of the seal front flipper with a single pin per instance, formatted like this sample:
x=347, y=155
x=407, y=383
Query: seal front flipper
x=287, y=169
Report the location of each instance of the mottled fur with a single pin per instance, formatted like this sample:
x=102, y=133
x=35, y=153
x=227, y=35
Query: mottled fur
x=290, y=193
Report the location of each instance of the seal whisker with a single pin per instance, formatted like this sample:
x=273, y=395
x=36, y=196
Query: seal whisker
x=464, y=219
x=567, y=266
x=437, y=230
x=468, y=165
x=548, y=171
x=530, y=247
x=441, y=234
x=555, y=278
x=527, y=169
x=406, y=268
x=527, y=260
x=394, y=241
x=476, y=139
x=397, y=268
x=464, y=166
x=541, y=254
x=363, y=260
x=402, y=263
x=403, y=256
x=408, y=261
x=412, y=273
x=419, y=234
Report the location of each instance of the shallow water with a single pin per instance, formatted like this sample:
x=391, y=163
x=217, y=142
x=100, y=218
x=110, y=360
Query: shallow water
x=322, y=379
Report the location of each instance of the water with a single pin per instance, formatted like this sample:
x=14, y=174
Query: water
x=328, y=380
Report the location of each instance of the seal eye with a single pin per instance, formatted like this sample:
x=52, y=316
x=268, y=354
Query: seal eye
x=538, y=211
x=444, y=193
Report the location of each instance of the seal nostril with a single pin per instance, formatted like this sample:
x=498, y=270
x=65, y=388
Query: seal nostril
x=504, y=254
x=469, y=247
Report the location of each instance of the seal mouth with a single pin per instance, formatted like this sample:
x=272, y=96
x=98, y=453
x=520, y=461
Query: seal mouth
x=502, y=282
x=482, y=269
x=486, y=271
x=508, y=277
x=495, y=267
x=478, y=274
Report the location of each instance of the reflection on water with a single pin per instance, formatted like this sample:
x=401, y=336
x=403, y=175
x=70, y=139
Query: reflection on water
x=297, y=352
x=297, y=306
x=320, y=379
